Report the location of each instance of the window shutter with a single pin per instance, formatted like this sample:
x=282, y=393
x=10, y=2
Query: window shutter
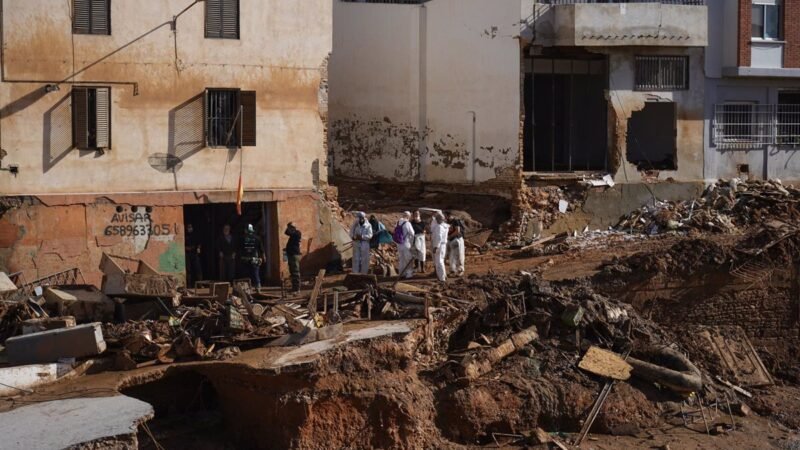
x=80, y=118
x=230, y=19
x=214, y=18
x=103, y=117
x=248, y=102
x=100, y=17
x=81, y=11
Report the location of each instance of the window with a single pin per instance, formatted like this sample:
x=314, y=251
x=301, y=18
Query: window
x=91, y=118
x=766, y=20
x=662, y=73
x=230, y=117
x=222, y=19
x=91, y=16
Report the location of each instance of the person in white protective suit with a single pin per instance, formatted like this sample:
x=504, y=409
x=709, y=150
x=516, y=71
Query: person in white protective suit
x=361, y=233
x=439, y=231
x=405, y=248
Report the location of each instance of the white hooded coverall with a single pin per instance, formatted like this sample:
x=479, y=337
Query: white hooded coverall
x=404, y=250
x=361, y=234
x=439, y=243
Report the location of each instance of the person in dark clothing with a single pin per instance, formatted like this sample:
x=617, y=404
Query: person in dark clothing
x=192, y=247
x=252, y=255
x=420, y=250
x=293, y=255
x=227, y=255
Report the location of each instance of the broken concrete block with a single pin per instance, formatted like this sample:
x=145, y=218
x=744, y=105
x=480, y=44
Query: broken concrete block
x=58, y=298
x=92, y=305
x=48, y=323
x=52, y=345
x=572, y=316
x=6, y=285
x=13, y=379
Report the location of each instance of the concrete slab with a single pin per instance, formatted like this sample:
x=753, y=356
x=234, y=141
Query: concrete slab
x=64, y=423
x=50, y=346
x=309, y=352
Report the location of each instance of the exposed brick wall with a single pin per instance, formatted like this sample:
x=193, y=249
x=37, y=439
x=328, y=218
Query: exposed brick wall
x=745, y=22
x=791, y=30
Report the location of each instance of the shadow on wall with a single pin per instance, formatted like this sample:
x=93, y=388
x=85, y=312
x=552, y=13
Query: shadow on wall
x=186, y=136
x=328, y=258
x=57, y=133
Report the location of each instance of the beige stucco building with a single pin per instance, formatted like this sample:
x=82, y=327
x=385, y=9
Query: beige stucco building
x=122, y=121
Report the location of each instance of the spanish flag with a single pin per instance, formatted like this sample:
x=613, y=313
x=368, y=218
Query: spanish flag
x=239, y=196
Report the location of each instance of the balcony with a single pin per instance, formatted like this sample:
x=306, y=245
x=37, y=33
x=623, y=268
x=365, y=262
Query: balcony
x=665, y=23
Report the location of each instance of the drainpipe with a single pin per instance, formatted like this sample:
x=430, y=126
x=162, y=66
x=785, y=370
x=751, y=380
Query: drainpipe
x=473, y=152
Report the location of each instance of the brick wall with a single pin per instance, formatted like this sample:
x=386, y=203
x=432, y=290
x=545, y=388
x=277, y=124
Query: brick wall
x=745, y=22
x=791, y=30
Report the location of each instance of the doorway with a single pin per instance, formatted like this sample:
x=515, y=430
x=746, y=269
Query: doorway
x=652, y=137
x=208, y=221
x=568, y=127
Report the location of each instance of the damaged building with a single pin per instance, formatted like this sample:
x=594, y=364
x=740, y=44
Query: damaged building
x=486, y=93
x=753, y=90
x=123, y=122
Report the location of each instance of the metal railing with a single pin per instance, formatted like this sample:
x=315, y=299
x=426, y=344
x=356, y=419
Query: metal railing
x=665, y=2
x=749, y=125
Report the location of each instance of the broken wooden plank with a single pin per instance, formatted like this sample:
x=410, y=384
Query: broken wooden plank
x=606, y=364
x=312, y=302
x=474, y=368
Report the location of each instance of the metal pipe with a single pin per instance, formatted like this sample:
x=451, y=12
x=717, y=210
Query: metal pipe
x=474, y=148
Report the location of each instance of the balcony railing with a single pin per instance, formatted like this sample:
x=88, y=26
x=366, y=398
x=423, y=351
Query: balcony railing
x=666, y=2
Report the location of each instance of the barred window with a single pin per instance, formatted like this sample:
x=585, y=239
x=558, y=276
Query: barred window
x=91, y=118
x=230, y=116
x=661, y=73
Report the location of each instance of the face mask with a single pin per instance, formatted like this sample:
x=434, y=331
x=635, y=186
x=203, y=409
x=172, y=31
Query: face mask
x=361, y=221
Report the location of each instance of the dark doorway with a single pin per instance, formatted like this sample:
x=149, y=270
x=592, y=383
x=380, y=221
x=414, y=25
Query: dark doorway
x=566, y=126
x=652, y=137
x=208, y=221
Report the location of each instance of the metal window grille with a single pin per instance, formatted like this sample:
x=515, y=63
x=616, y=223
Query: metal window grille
x=661, y=73
x=91, y=118
x=749, y=125
x=222, y=107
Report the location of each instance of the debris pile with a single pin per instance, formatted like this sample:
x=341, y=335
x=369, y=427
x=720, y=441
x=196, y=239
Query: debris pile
x=537, y=208
x=724, y=207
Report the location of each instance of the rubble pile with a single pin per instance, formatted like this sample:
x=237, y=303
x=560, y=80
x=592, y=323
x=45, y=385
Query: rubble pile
x=537, y=208
x=724, y=207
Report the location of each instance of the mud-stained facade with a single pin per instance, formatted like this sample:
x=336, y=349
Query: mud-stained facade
x=452, y=93
x=434, y=97
x=157, y=65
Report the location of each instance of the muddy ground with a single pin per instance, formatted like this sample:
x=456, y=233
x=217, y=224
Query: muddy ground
x=638, y=294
